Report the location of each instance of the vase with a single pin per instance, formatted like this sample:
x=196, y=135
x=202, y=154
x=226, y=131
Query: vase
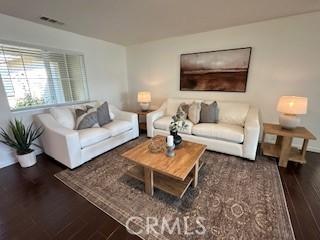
x=176, y=138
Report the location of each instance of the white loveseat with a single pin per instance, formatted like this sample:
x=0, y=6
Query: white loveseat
x=75, y=147
x=236, y=133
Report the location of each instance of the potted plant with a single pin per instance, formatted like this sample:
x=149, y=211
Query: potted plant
x=21, y=138
x=178, y=124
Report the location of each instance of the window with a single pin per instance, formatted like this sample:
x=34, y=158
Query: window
x=37, y=77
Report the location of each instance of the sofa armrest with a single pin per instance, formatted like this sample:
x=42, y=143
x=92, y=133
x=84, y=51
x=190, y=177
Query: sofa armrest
x=251, y=134
x=151, y=117
x=127, y=116
x=61, y=143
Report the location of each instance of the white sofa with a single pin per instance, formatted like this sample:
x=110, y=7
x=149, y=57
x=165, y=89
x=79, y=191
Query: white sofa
x=75, y=147
x=236, y=133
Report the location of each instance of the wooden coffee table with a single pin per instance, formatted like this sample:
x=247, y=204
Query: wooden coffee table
x=169, y=174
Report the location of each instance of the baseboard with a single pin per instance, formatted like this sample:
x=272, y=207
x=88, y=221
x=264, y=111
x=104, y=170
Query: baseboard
x=7, y=162
x=310, y=148
x=10, y=158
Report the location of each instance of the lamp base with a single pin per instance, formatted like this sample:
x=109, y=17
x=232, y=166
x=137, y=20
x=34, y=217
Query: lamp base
x=144, y=106
x=289, y=121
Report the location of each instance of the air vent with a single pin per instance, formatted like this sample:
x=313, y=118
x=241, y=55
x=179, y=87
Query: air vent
x=51, y=20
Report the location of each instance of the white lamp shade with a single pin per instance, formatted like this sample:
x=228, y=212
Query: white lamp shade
x=292, y=105
x=144, y=97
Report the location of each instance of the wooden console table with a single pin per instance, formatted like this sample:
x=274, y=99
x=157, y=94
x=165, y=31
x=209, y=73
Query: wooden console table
x=282, y=149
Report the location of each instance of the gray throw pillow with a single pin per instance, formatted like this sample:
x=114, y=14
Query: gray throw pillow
x=86, y=118
x=103, y=114
x=209, y=113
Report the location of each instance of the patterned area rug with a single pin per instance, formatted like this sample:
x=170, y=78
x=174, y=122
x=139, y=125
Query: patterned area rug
x=235, y=198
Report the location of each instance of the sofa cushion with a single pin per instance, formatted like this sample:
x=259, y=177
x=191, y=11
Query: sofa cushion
x=64, y=116
x=223, y=131
x=117, y=127
x=232, y=112
x=164, y=123
x=91, y=136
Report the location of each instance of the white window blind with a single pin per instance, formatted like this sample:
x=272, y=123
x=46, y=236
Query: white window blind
x=37, y=77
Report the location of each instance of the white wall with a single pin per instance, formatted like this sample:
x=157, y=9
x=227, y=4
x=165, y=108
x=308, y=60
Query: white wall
x=285, y=61
x=105, y=65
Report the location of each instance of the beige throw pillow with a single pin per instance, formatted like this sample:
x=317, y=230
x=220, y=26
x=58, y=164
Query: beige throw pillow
x=194, y=112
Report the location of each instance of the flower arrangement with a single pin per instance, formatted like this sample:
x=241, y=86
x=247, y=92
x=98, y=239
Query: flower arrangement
x=178, y=123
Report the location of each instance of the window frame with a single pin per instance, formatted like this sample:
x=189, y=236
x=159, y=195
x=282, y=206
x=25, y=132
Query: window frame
x=55, y=50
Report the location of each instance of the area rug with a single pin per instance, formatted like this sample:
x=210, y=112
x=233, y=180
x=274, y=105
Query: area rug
x=235, y=198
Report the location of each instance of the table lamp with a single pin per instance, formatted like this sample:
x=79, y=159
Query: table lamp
x=144, y=99
x=290, y=107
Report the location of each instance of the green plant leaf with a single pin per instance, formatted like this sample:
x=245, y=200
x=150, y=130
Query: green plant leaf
x=22, y=137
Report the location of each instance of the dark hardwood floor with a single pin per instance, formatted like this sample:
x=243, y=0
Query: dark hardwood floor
x=35, y=205
x=301, y=184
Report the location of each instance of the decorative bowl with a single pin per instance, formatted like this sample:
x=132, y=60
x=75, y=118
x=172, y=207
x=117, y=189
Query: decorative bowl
x=157, y=146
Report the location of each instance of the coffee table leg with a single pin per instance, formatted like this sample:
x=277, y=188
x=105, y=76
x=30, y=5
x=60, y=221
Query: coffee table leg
x=195, y=174
x=148, y=181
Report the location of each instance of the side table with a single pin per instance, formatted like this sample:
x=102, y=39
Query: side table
x=282, y=149
x=142, y=119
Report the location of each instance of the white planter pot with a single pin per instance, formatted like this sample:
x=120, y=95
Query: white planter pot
x=27, y=160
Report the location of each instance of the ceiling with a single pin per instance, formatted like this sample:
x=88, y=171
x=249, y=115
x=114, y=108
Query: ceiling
x=135, y=21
